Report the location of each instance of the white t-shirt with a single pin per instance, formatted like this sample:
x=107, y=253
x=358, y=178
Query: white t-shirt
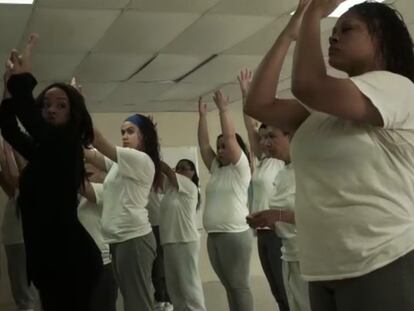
x=12, y=232
x=226, y=197
x=178, y=221
x=89, y=215
x=153, y=206
x=283, y=198
x=126, y=189
x=355, y=184
x=262, y=183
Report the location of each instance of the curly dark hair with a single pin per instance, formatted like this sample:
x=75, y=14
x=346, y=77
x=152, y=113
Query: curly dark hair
x=79, y=128
x=395, y=43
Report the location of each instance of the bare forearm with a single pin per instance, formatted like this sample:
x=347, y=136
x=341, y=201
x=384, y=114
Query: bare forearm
x=309, y=67
x=166, y=169
x=88, y=192
x=253, y=135
x=105, y=147
x=264, y=85
x=95, y=158
x=203, y=138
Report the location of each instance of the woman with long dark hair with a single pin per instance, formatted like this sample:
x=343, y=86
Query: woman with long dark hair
x=132, y=171
x=62, y=259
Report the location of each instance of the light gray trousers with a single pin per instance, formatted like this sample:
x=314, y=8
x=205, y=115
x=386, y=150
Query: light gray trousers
x=230, y=255
x=183, y=276
x=132, y=264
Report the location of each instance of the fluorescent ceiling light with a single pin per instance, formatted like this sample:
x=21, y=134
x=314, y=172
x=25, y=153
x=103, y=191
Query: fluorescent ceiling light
x=345, y=6
x=16, y=1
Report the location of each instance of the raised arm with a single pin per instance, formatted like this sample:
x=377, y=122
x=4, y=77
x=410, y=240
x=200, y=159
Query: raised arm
x=9, y=127
x=168, y=171
x=244, y=79
x=207, y=153
x=95, y=158
x=310, y=81
x=227, y=127
x=20, y=86
x=261, y=104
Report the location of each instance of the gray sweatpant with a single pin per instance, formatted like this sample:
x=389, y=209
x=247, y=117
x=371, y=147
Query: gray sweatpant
x=389, y=288
x=297, y=289
x=132, y=263
x=23, y=294
x=183, y=277
x=230, y=255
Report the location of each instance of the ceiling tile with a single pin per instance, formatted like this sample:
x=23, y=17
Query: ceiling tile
x=98, y=67
x=257, y=7
x=144, y=32
x=64, y=31
x=213, y=34
x=187, y=91
x=168, y=67
x=223, y=69
x=97, y=92
x=55, y=67
x=82, y=4
x=195, y=6
x=13, y=21
x=136, y=92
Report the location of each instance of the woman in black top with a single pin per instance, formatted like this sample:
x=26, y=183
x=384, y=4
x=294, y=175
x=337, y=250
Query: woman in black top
x=62, y=259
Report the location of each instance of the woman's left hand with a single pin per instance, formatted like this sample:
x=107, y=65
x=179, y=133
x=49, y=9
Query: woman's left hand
x=23, y=63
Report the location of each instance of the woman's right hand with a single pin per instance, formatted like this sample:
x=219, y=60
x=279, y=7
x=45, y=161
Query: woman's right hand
x=202, y=107
x=23, y=63
x=293, y=27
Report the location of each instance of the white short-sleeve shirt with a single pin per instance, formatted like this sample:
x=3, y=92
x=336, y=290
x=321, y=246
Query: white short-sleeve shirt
x=178, y=223
x=355, y=184
x=89, y=215
x=226, y=197
x=126, y=189
x=283, y=198
x=153, y=206
x=262, y=183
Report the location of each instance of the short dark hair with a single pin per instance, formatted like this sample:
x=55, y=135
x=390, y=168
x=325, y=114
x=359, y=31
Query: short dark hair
x=195, y=179
x=395, y=43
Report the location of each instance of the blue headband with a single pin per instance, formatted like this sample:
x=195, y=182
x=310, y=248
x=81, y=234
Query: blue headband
x=138, y=120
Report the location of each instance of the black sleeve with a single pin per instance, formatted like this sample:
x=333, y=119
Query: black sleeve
x=21, y=88
x=11, y=131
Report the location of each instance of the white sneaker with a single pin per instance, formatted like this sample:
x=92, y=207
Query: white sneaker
x=168, y=306
x=159, y=306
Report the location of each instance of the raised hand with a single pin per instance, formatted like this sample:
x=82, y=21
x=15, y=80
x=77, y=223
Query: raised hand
x=245, y=78
x=23, y=63
x=324, y=7
x=202, y=107
x=293, y=27
x=221, y=101
x=76, y=85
